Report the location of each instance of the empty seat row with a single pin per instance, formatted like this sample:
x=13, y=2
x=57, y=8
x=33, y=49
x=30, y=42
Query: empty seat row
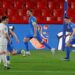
x=40, y=20
x=36, y=12
x=71, y=9
x=46, y=11
x=31, y=4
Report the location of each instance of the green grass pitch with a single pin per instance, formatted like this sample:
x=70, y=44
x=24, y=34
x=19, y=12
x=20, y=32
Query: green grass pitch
x=41, y=62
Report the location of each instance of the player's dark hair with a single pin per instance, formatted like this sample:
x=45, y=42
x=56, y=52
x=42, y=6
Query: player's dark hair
x=67, y=17
x=3, y=18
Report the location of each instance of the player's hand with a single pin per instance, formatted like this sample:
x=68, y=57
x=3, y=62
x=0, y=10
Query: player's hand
x=17, y=41
x=9, y=42
x=34, y=35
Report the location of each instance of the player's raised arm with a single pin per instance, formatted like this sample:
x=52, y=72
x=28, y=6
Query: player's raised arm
x=35, y=28
x=73, y=32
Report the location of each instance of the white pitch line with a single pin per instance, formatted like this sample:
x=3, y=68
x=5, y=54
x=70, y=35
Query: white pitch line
x=39, y=71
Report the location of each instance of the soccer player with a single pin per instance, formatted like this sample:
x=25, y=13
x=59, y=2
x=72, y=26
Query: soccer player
x=34, y=33
x=9, y=46
x=4, y=38
x=71, y=29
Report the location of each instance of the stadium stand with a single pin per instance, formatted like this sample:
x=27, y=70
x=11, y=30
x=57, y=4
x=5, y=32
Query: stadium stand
x=46, y=11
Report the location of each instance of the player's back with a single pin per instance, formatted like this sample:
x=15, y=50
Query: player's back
x=3, y=29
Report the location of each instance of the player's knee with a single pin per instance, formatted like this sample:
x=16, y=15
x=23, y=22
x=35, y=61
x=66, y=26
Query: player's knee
x=8, y=53
x=25, y=40
x=1, y=53
x=42, y=41
x=14, y=52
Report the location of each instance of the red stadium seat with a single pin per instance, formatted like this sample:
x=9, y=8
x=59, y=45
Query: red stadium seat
x=56, y=12
x=69, y=1
x=47, y=12
x=19, y=4
x=8, y=4
x=30, y=5
x=71, y=9
x=19, y=19
x=50, y=20
x=54, y=20
x=12, y=19
x=73, y=19
x=71, y=4
x=38, y=0
x=50, y=5
x=3, y=12
x=1, y=4
x=12, y=12
x=41, y=5
x=70, y=12
x=56, y=4
x=16, y=19
x=25, y=19
x=59, y=20
x=40, y=19
x=22, y=12
x=37, y=12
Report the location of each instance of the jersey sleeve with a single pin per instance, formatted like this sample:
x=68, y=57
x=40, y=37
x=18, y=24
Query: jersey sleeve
x=33, y=20
x=73, y=25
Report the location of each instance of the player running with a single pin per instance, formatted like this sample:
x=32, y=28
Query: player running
x=4, y=38
x=71, y=29
x=34, y=33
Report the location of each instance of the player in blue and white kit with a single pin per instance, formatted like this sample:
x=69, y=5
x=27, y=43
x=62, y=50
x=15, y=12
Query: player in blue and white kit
x=71, y=29
x=34, y=33
x=9, y=45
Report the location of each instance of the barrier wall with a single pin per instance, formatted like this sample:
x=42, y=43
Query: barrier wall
x=48, y=31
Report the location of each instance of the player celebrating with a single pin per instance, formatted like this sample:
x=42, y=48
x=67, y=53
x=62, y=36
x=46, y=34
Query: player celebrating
x=71, y=29
x=4, y=38
x=34, y=33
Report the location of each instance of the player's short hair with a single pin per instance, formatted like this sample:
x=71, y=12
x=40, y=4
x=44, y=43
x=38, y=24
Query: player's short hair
x=3, y=18
x=67, y=17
